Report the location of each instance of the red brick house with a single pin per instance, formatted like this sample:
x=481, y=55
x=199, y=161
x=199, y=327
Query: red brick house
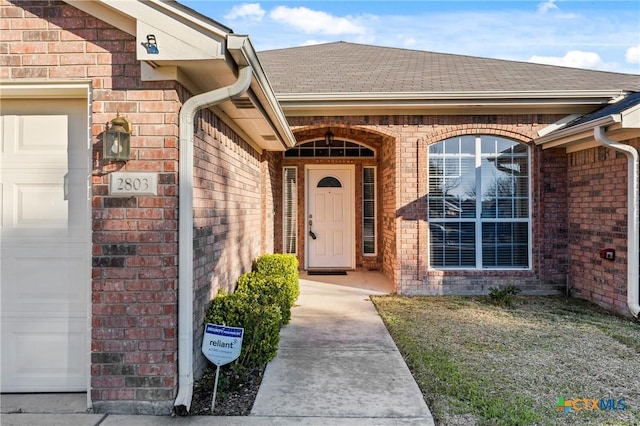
x=371, y=158
x=436, y=130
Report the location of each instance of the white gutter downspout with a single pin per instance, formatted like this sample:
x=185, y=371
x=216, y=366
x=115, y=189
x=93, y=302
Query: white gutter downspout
x=182, y=403
x=633, y=292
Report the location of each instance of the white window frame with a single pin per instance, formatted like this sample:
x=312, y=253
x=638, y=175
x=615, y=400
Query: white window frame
x=479, y=220
x=375, y=210
x=289, y=218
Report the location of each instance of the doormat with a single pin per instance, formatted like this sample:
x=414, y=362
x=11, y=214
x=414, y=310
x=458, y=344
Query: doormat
x=327, y=272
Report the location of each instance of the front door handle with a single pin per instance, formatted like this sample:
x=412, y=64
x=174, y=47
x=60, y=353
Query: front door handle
x=313, y=235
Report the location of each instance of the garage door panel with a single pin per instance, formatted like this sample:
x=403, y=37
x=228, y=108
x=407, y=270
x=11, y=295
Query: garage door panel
x=44, y=355
x=34, y=140
x=50, y=288
x=45, y=204
x=40, y=205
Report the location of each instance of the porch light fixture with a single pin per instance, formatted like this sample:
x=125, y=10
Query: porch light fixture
x=117, y=140
x=328, y=138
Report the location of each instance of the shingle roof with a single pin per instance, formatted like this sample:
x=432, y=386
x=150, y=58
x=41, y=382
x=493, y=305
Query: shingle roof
x=625, y=103
x=343, y=67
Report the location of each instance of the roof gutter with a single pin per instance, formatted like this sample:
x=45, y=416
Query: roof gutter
x=597, y=97
x=182, y=402
x=633, y=236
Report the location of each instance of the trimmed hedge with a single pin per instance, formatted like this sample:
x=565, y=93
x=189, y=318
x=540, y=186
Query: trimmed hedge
x=261, y=304
x=261, y=323
x=271, y=290
x=285, y=265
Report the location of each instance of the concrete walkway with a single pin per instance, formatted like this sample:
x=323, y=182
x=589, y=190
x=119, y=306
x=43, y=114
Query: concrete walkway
x=336, y=365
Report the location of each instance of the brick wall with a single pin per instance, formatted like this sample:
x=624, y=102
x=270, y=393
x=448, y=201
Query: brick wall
x=597, y=215
x=228, y=206
x=134, y=275
x=550, y=241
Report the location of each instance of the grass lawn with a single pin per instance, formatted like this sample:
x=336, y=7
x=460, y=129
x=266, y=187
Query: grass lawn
x=478, y=363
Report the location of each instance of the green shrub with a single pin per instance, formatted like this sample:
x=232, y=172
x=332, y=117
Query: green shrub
x=503, y=296
x=283, y=265
x=261, y=323
x=261, y=304
x=270, y=289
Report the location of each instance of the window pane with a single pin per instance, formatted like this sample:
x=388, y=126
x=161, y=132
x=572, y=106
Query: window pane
x=368, y=210
x=468, y=145
x=505, y=245
x=367, y=193
x=452, y=244
x=329, y=182
x=436, y=207
x=452, y=146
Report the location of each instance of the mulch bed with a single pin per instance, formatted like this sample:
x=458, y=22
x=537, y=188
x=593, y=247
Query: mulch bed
x=237, y=391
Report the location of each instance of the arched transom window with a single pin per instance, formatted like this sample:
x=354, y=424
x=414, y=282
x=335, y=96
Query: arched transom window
x=329, y=182
x=336, y=149
x=479, y=203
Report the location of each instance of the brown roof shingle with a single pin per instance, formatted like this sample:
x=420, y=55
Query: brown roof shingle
x=343, y=67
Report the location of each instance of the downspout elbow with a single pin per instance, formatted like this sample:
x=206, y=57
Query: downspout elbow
x=633, y=235
x=182, y=403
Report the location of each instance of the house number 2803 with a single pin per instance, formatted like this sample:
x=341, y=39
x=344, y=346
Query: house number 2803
x=133, y=184
x=124, y=184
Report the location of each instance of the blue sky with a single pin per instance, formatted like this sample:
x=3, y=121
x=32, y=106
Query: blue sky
x=602, y=35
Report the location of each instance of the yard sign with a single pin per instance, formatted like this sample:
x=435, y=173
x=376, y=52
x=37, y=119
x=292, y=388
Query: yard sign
x=221, y=345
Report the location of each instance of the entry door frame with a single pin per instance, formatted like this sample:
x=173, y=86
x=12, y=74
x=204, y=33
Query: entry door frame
x=80, y=90
x=351, y=193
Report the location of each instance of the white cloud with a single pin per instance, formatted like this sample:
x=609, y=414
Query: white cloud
x=248, y=11
x=574, y=59
x=311, y=42
x=316, y=22
x=546, y=6
x=408, y=41
x=633, y=55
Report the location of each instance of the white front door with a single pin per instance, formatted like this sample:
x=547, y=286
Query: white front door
x=45, y=249
x=330, y=217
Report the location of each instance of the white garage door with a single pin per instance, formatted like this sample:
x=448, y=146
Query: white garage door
x=45, y=245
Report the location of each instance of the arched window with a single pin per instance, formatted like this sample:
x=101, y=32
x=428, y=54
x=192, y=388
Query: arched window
x=336, y=149
x=479, y=214
x=329, y=182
